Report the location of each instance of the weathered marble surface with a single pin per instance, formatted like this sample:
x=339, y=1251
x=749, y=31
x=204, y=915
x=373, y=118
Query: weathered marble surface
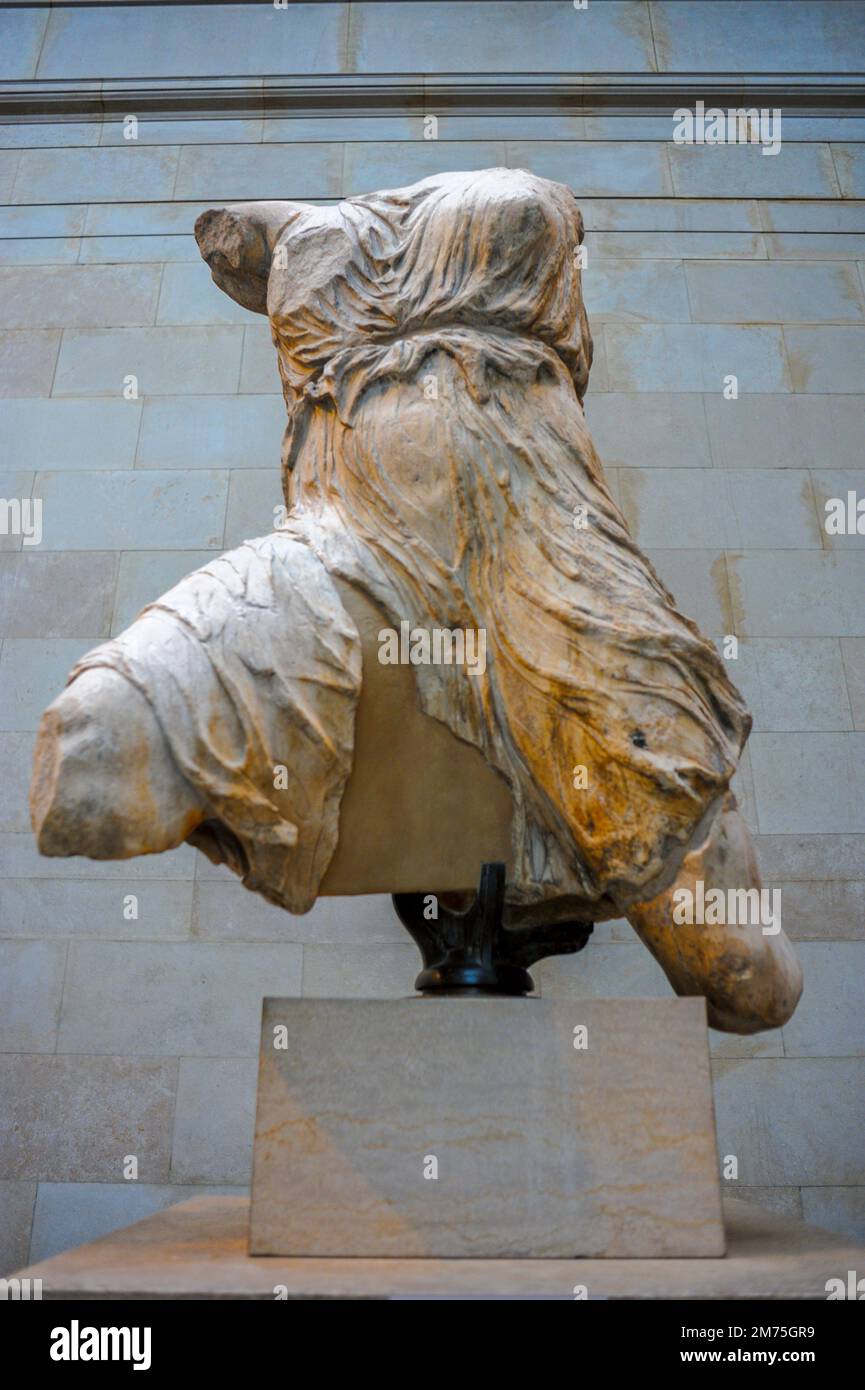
x=543, y=1150
x=434, y=353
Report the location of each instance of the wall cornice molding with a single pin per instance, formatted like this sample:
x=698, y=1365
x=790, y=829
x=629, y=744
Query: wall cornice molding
x=348, y=94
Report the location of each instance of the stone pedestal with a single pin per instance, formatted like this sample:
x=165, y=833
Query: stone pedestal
x=485, y=1127
x=197, y=1250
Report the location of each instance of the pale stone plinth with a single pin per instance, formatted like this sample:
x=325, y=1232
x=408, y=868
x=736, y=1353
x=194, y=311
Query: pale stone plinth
x=541, y=1149
x=198, y=1250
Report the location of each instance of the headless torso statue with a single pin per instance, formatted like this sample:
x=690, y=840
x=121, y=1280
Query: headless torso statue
x=438, y=477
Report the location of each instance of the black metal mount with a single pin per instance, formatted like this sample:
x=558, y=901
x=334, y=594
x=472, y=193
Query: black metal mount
x=474, y=952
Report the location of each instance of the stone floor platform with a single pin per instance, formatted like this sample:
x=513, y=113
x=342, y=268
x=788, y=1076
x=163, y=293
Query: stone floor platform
x=198, y=1250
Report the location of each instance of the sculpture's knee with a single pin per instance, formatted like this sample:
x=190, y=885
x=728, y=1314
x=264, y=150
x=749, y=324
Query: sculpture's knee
x=750, y=977
x=752, y=989
x=104, y=784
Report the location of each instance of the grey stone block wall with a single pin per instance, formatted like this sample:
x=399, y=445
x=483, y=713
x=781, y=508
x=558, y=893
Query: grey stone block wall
x=130, y=993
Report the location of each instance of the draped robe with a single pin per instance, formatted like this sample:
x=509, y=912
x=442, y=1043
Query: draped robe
x=434, y=354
